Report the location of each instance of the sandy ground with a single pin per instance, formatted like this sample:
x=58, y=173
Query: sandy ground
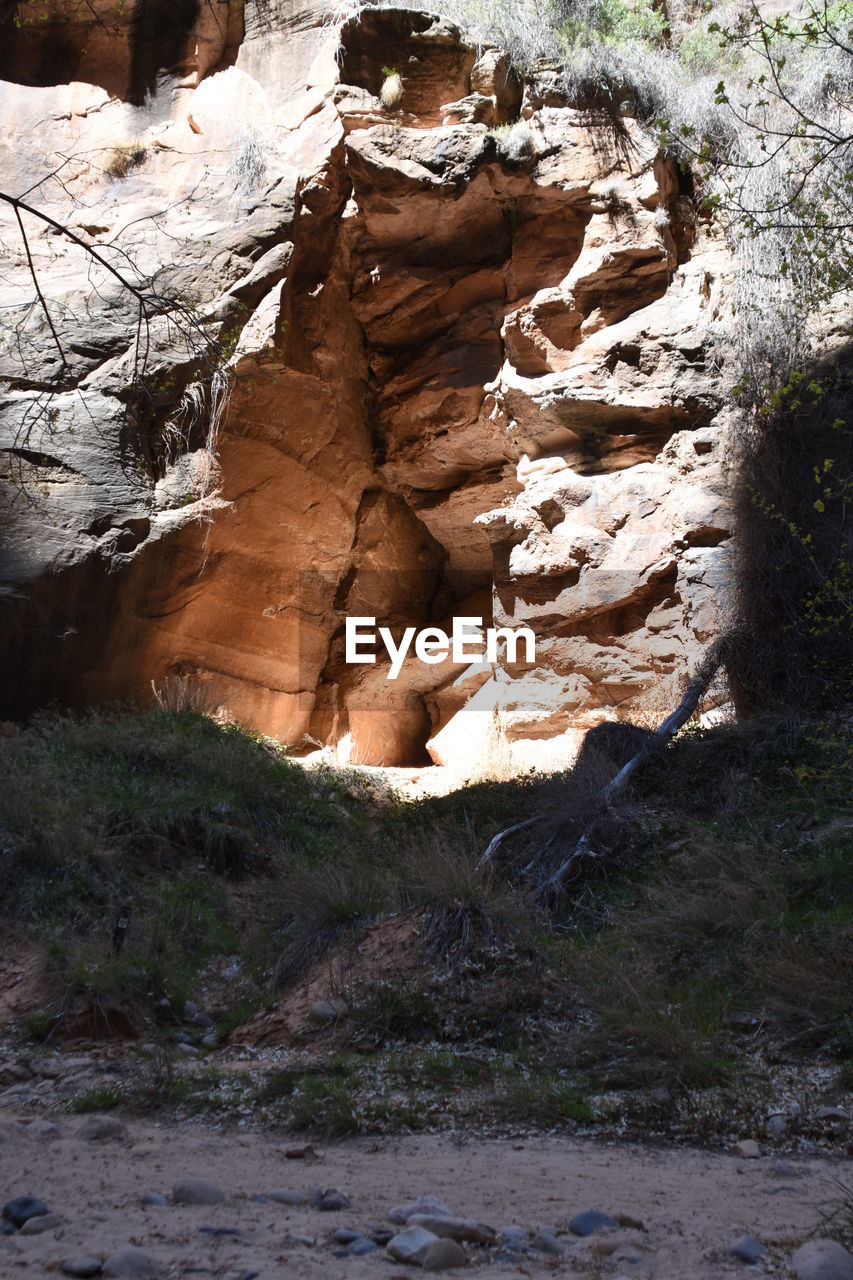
x=409, y=783
x=692, y=1204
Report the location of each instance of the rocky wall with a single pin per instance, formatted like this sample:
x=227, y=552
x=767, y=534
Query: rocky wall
x=456, y=356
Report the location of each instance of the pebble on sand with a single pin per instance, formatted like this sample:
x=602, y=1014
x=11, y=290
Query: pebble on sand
x=21, y=1209
x=196, y=1191
x=591, y=1220
x=102, y=1129
x=748, y=1249
x=81, y=1267
x=547, y=1242
x=287, y=1195
x=424, y=1204
x=444, y=1255
x=451, y=1228
x=130, y=1263
x=44, y=1222
x=361, y=1246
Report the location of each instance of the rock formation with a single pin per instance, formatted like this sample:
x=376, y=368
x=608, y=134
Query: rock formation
x=456, y=357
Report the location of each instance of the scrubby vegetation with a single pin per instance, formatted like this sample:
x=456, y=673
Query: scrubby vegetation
x=721, y=906
x=758, y=106
x=124, y=157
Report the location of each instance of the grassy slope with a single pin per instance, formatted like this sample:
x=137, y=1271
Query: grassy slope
x=724, y=887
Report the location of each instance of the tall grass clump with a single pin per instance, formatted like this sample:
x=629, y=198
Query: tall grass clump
x=248, y=164
x=123, y=158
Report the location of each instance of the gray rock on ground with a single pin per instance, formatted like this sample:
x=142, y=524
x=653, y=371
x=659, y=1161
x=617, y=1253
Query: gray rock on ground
x=321, y=1011
x=514, y=1239
x=130, y=1263
x=591, y=1220
x=424, y=1204
x=444, y=1255
x=81, y=1266
x=361, y=1246
x=287, y=1195
x=22, y=1208
x=747, y=1150
x=748, y=1249
x=346, y=1235
x=103, y=1129
x=329, y=1201
x=547, y=1242
x=450, y=1228
x=196, y=1191
x=44, y=1222
x=822, y=1260
x=836, y=1116
x=411, y=1244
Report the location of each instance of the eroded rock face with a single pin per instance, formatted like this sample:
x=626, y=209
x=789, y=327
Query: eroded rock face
x=127, y=47
x=397, y=363
x=623, y=577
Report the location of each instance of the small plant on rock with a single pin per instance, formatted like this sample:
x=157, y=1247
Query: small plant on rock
x=515, y=143
x=123, y=157
x=248, y=165
x=391, y=93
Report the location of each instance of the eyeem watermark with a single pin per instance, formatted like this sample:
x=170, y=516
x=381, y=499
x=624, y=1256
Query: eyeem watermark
x=433, y=644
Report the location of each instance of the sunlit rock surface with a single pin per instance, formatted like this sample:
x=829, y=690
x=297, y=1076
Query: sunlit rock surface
x=413, y=363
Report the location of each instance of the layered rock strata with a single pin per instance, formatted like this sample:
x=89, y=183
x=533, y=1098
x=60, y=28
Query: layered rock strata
x=456, y=357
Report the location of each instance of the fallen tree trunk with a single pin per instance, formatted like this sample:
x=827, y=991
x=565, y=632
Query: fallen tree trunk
x=497, y=841
x=708, y=668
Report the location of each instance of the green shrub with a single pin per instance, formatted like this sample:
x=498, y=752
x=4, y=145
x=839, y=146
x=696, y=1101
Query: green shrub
x=395, y=1010
x=104, y=1099
x=545, y=1100
x=614, y=22
x=700, y=51
x=326, y=1107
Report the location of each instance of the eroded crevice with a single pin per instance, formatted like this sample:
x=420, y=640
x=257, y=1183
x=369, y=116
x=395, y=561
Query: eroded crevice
x=35, y=458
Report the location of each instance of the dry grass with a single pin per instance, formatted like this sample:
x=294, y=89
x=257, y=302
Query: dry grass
x=514, y=142
x=248, y=164
x=493, y=761
x=391, y=93
x=182, y=693
x=123, y=158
